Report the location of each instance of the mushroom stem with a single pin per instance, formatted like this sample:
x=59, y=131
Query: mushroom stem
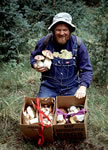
x=47, y=63
x=40, y=63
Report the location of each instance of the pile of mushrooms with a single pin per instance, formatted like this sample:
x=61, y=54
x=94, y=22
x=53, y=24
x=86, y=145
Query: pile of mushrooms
x=64, y=54
x=48, y=111
x=72, y=112
x=44, y=60
x=30, y=116
x=75, y=118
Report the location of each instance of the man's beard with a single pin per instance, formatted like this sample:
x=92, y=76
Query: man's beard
x=61, y=40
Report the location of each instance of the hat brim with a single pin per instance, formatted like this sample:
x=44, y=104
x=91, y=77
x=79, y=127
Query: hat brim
x=73, y=27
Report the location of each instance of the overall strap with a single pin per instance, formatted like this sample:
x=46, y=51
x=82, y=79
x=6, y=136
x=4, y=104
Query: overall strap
x=76, y=45
x=47, y=38
x=78, y=41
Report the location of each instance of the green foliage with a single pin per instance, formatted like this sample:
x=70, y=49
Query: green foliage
x=100, y=52
x=23, y=23
x=94, y=3
x=13, y=29
x=16, y=30
x=92, y=28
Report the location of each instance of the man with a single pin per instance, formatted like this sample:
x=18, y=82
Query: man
x=66, y=76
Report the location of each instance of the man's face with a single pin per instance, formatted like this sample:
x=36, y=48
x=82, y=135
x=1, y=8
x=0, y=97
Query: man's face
x=61, y=33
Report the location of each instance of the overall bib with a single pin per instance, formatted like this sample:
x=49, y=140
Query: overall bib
x=62, y=78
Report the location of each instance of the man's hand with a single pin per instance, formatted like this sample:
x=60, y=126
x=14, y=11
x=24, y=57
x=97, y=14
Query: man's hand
x=40, y=69
x=81, y=92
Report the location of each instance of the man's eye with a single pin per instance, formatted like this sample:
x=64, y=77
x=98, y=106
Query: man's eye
x=58, y=30
x=65, y=30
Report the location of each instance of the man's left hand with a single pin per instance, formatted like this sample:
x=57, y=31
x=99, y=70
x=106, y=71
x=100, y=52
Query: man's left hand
x=81, y=92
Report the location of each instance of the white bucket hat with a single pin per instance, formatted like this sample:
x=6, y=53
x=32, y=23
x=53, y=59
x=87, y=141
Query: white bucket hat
x=62, y=17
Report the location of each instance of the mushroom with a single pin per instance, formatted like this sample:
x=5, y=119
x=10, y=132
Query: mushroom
x=77, y=118
x=49, y=56
x=46, y=122
x=64, y=54
x=80, y=117
x=73, y=119
x=34, y=120
x=60, y=119
x=25, y=117
x=39, y=59
x=72, y=110
x=47, y=63
x=44, y=60
x=51, y=116
x=31, y=112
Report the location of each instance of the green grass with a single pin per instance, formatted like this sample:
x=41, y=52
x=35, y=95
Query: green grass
x=19, y=80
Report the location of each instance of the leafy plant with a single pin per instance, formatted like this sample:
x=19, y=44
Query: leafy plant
x=23, y=23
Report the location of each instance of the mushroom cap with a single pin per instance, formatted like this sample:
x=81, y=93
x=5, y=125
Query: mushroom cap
x=63, y=110
x=48, y=54
x=39, y=57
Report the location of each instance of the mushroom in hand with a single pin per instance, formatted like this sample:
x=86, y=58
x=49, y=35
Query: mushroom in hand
x=49, y=56
x=40, y=62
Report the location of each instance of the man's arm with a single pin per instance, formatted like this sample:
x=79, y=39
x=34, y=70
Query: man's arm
x=37, y=51
x=85, y=71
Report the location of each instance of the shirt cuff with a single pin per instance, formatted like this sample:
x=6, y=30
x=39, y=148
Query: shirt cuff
x=33, y=64
x=84, y=84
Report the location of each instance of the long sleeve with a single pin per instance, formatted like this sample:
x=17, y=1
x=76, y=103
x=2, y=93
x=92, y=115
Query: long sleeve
x=37, y=51
x=84, y=66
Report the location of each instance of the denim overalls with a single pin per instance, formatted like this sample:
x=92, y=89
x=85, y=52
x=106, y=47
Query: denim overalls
x=62, y=78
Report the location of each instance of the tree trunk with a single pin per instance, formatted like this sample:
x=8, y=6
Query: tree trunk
x=54, y=1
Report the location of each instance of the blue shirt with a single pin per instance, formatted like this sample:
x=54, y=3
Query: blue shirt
x=84, y=67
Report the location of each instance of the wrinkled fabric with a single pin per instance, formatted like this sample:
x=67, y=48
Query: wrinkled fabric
x=65, y=75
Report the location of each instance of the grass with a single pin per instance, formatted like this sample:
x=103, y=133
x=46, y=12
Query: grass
x=19, y=80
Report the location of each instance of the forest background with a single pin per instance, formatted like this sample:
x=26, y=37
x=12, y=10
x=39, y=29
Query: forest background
x=23, y=23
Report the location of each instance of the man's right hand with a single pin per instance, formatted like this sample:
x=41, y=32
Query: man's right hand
x=40, y=69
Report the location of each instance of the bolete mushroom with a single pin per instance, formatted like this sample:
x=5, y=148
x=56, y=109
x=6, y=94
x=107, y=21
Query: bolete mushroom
x=39, y=59
x=31, y=112
x=48, y=54
x=47, y=62
x=60, y=119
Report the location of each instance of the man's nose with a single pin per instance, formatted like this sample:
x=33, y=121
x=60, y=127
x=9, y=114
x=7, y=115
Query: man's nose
x=61, y=32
